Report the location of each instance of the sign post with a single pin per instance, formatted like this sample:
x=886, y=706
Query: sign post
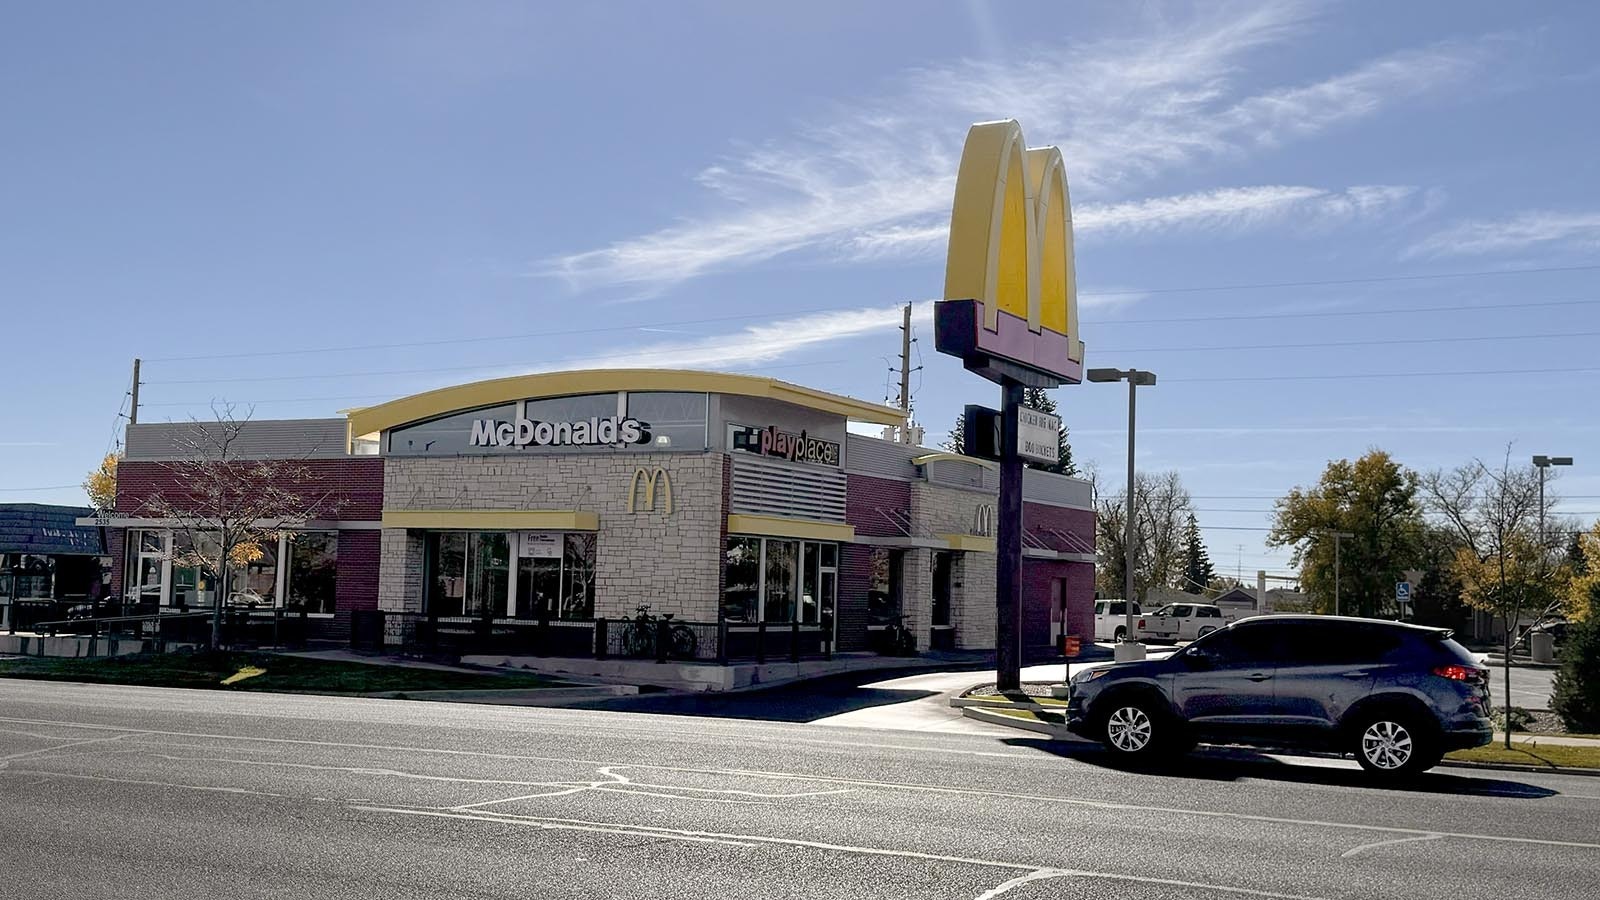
x=1010, y=314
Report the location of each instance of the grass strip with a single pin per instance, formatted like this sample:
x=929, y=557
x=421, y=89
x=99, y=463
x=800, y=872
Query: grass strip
x=1532, y=753
x=227, y=671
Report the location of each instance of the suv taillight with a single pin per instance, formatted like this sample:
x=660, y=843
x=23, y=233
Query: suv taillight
x=1461, y=673
x=1141, y=623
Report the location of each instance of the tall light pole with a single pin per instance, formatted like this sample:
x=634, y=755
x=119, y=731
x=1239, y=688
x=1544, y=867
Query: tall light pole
x=1542, y=463
x=1337, y=536
x=1129, y=648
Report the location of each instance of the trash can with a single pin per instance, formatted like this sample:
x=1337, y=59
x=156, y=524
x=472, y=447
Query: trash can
x=1543, y=646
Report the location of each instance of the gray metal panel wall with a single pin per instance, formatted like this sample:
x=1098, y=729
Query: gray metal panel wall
x=1057, y=490
x=767, y=487
x=871, y=456
x=263, y=439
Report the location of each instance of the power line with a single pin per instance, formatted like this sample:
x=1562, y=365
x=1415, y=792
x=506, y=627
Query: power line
x=1363, y=343
x=1329, y=314
x=48, y=487
x=1118, y=293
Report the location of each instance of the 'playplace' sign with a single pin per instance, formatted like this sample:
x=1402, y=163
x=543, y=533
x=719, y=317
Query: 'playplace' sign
x=769, y=441
x=592, y=432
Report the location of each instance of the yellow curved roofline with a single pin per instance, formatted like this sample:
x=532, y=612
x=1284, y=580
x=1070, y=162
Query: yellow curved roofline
x=444, y=401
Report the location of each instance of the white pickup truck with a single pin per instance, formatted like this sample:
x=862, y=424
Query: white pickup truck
x=1179, y=622
x=1111, y=619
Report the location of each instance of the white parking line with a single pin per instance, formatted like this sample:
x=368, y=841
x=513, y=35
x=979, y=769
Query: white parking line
x=1405, y=840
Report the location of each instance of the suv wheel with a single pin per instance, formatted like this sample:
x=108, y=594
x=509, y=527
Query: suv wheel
x=1206, y=630
x=1393, y=744
x=1134, y=729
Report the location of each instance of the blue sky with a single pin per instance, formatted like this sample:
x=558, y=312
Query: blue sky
x=513, y=187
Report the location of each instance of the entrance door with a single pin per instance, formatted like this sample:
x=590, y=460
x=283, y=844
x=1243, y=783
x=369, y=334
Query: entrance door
x=942, y=635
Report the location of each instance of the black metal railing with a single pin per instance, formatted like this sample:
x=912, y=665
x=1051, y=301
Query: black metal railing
x=650, y=638
x=241, y=628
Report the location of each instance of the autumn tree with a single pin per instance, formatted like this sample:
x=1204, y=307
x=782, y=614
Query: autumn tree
x=1162, y=509
x=1373, y=498
x=1583, y=590
x=101, y=484
x=225, y=506
x=1198, y=573
x=1508, y=563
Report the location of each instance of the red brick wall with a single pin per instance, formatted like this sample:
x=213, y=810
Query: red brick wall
x=356, y=584
x=866, y=495
x=1037, y=576
x=855, y=578
x=353, y=485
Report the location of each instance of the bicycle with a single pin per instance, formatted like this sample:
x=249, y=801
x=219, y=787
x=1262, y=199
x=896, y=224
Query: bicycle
x=639, y=636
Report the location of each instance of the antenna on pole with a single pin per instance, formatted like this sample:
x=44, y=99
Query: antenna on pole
x=908, y=432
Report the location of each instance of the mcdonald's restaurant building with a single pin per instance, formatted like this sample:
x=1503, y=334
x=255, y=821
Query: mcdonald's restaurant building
x=575, y=496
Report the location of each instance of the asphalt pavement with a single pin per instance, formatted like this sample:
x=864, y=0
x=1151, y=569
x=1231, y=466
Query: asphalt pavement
x=158, y=793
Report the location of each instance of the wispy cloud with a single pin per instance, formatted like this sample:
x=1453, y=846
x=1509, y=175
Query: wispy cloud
x=1536, y=229
x=874, y=181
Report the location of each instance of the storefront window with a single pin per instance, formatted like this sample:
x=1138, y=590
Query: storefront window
x=313, y=568
x=256, y=582
x=742, y=583
x=577, y=577
x=883, y=592
x=941, y=588
x=779, y=581
x=447, y=573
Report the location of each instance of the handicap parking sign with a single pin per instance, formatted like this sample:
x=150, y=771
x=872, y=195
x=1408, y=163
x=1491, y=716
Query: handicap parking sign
x=1402, y=591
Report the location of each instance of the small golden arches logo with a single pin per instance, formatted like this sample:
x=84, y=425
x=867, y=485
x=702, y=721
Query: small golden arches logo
x=650, y=478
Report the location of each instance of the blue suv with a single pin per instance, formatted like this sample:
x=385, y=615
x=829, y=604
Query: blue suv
x=1396, y=696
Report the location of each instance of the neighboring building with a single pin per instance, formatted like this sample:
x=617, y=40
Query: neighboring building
x=577, y=495
x=46, y=555
x=46, y=558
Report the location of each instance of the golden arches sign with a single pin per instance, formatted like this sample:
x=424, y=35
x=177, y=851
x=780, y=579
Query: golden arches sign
x=649, y=479
x=1010, y=284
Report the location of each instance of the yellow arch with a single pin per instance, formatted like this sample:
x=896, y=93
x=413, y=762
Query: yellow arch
x=444, y=401
x=1011, y=233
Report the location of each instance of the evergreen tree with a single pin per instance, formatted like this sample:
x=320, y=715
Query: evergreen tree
x=1040, y=399
x=1198, y=571
x=1575, y=694
x=952, y=442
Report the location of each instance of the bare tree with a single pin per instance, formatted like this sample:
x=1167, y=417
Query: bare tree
x=225, y=506
x=1161, y=518
x=1507, y=563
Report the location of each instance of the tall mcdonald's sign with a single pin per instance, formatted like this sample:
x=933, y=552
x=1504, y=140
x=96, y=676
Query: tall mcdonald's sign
x=1011, y=294
x=1011, y=314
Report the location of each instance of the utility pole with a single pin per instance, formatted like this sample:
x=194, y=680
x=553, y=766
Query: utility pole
x=133, y=408
x=1338, y=537
x=905, y=364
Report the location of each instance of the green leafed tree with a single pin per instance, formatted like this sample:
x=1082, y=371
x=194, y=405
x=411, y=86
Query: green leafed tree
x=1374, y=499
x=952, y=442
x=1198, y=572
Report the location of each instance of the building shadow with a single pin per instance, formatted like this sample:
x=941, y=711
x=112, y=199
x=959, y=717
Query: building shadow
x=1225, y=764
x=804, y=701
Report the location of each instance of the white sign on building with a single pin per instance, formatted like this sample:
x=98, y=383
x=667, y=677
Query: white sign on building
x=539, y=545
x=1038, y=435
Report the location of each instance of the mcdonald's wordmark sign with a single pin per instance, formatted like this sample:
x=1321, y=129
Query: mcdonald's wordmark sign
x=1011, y=295
x=649, y=480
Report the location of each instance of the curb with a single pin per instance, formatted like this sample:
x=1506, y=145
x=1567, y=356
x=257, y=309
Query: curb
x=1057, y=732
x=1513, y=767
x=554, y=696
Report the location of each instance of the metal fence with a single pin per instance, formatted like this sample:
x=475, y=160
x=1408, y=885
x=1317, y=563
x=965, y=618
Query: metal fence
x=653, y=638
x=241, y=628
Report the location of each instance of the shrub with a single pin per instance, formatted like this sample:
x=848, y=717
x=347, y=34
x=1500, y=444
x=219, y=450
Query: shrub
x=1576, y=695
x=1520, y=718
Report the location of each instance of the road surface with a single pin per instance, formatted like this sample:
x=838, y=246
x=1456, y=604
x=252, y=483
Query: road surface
x=152, y=793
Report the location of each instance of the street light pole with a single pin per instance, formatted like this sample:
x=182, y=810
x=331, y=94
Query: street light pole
x=1338, y=538
x=1129, y=648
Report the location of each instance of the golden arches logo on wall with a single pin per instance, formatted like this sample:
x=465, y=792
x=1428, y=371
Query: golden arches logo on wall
x=1011, y=293
x=650, y=478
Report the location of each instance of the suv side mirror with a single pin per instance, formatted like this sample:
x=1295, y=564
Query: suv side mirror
x=1199, y=658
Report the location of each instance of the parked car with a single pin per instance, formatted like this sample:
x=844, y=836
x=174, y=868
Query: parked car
x=1111, y=619
x=1179, y=622
x=1396, y=696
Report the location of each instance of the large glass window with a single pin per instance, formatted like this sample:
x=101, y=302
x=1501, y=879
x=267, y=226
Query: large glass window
x=741, y=590
x=941, y=588
x=447, y=573
x=254, y=581
x=779, y=581
x=313, y=571
x=471, y=573
x=677, y=421
x=577, y=576
x=883, y=591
